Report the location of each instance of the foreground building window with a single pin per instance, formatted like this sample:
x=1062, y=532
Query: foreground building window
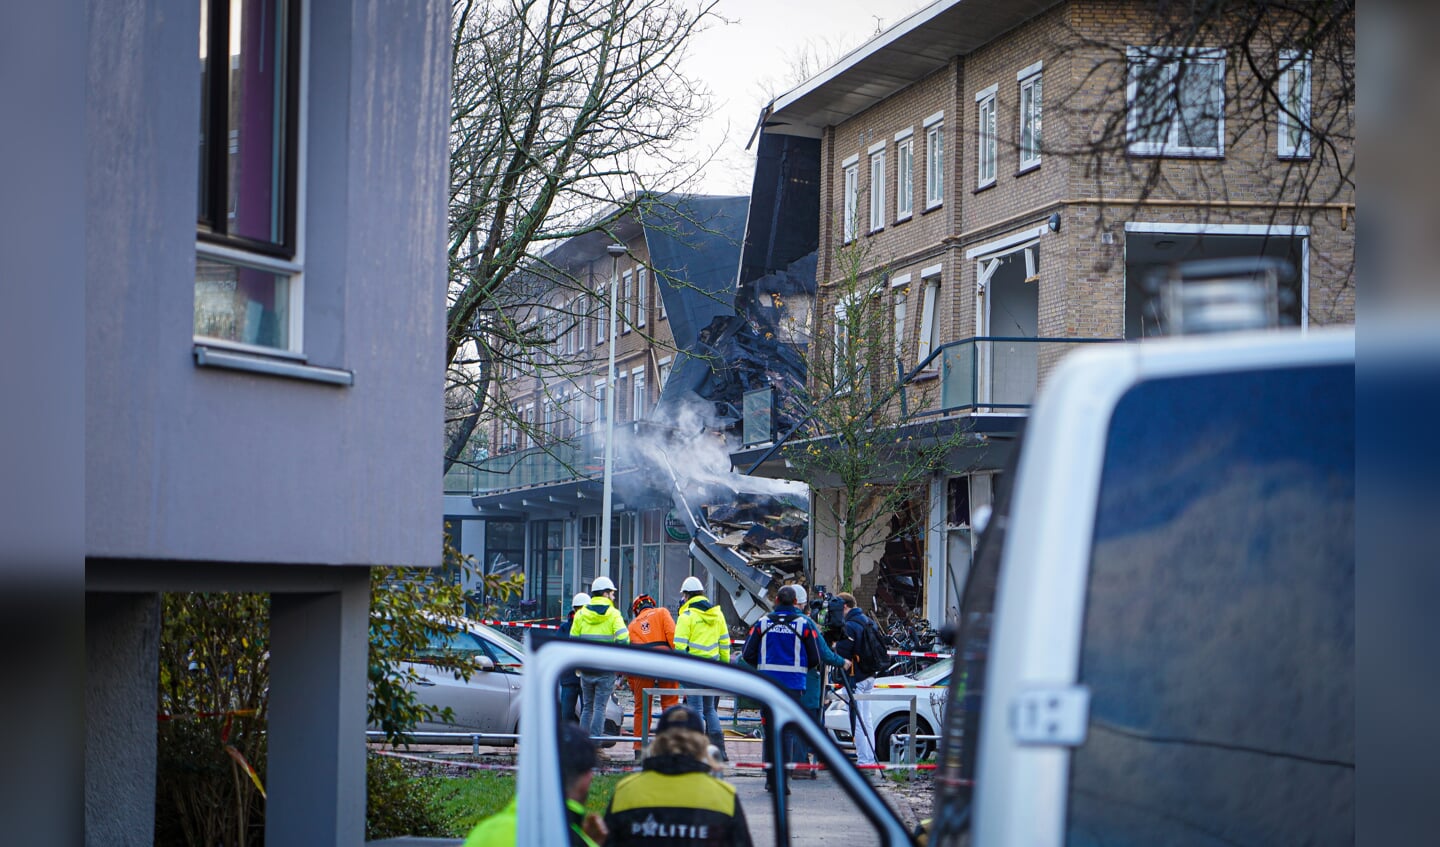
x=247, y=280
x=1176, y=102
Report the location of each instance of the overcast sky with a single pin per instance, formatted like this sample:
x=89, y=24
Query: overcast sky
x=747, y=61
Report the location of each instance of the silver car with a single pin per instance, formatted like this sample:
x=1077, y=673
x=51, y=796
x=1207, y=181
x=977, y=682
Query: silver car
x=489, y=701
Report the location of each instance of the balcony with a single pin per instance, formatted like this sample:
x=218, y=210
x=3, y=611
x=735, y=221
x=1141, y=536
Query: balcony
x=992, y=374
x=559, y=461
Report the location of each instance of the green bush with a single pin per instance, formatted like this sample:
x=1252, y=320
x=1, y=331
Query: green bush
x=397, y=803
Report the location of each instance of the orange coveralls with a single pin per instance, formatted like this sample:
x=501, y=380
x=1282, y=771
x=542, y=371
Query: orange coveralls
x=653, y=628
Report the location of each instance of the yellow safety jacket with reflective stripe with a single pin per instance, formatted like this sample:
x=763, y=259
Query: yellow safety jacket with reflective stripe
x=600, y=621
x=702, y=631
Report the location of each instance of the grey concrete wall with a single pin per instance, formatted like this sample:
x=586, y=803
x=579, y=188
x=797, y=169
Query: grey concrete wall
x=122, y=665
x=211, y=465
x=316, y=721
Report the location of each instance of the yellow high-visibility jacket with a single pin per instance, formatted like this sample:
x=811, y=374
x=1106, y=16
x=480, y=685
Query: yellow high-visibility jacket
x=702, y=631
x=600, y=621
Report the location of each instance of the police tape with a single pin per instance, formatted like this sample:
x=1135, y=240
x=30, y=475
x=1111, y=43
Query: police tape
x=797, y=766
x=916, y=655
x=530, y=624
x=482, y=766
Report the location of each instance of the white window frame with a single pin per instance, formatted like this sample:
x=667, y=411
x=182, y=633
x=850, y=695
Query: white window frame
x=1139, y=58
x=627, y=302
x=904, y=174
x=900, y=288
x=850, y=198
x=642, y=295
x=601, y=386
x=986, y=152
x=877, y=186
x=660, y=299
x=1293, y=65
x=602, y=314
x=293, y=268
x=1032, y=102
x=621, y=387
x=842, y=343
x=929, y=313
x=934, y=161
x=638, y=400
x=664, y=371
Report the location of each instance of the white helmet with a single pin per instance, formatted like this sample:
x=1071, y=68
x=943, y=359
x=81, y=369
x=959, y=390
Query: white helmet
x=800, y=595
x=692, y=584
x=581, y=599
x=601, y=583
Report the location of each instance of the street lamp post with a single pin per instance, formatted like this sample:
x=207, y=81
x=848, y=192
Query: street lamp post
x=607, y=495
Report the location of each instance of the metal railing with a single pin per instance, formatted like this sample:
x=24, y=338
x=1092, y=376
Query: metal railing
x=995, y=373
x=562, y=460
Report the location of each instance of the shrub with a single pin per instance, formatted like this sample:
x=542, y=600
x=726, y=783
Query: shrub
x=398, y=804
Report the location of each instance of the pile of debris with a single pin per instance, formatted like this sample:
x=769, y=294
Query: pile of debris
x=768, y=532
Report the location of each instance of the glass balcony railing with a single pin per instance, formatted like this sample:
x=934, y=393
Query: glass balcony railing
x=1000, y=374
x=561, y=461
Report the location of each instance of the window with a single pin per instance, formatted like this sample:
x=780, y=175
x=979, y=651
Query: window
x=602, y=317
x=877, y=187
x=844, y=356
x=904, y=175
x=929, y=317
x=247, y=283
x=1292, y=89
x=620, y=398
x=1176, y=102
x=600, y=389
x=934, y=160
x=640, y=400
x=627, y=303
x=1199, y=665
x=985, y=138
x=851, y=197
x=664, y=372
x=660, y=299
x=901, y=286
x=1029, y=117
x=642, y=295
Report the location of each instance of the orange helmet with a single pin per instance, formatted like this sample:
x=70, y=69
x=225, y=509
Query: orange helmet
x=644, y=601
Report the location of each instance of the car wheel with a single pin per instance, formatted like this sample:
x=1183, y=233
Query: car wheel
x=899, y=724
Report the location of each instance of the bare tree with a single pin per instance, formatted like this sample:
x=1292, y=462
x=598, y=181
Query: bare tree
x=560, y=108
x=869, y=455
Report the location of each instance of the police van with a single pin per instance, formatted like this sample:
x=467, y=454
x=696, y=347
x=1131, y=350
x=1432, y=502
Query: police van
x=1156, y=642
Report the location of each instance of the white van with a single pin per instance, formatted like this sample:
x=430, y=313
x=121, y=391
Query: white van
x=1158, y=633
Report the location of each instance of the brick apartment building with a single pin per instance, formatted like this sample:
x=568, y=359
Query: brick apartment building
x=1016, y=170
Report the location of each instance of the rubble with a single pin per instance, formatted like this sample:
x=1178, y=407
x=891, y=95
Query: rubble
x=768, y=532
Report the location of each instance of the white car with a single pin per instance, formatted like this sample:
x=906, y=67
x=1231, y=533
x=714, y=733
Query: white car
x=892, y=716
x=489, y=701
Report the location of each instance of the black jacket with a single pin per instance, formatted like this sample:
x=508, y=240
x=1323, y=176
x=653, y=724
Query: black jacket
x=644, y=811
x=849, y=643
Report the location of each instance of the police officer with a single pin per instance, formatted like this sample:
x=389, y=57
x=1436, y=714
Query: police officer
x=675, y=799
x=570, y=685
x=577, y=770
x=701, y=630
x=781, y=645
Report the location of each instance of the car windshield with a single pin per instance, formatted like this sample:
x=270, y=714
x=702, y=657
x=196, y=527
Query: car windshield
x=503, y=640
x=937, y=673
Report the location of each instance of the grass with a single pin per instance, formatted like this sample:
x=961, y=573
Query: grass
x=467, y=800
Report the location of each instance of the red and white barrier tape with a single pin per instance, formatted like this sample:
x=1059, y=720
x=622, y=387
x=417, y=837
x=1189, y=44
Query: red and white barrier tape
x=920, y=655
x=522, y=624
x=924, y=766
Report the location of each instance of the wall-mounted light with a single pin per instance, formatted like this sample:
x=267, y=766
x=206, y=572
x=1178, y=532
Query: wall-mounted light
x=1054, y=222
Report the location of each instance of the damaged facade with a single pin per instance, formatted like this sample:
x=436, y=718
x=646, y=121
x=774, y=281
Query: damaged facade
x=532, y=499
x=998, y=249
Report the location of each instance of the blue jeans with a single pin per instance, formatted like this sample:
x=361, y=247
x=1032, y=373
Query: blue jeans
x=570, y=700
x=595, y=689
x=708, y=710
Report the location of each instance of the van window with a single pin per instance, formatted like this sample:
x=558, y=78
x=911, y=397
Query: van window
x=1219, y=634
